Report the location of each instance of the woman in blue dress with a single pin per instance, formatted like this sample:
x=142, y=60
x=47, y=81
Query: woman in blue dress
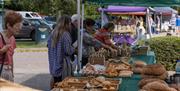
x=60, y=50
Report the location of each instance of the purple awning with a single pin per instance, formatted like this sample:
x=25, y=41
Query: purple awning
x=124, y=9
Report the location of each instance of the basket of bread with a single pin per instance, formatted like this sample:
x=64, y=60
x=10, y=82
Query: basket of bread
x=122, y=69
x=87, y=83
x=93, y=70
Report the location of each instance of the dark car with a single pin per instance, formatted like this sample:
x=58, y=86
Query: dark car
x=51, y=21
x=30, y=26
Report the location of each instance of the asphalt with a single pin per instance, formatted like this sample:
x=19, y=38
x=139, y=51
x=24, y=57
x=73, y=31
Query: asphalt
x=31, y=68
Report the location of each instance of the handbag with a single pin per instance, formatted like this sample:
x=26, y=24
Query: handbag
x=1, y=68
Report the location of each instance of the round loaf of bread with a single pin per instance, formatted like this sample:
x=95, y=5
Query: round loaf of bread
x=154, y=69
x=139, y=64
x=145, y=81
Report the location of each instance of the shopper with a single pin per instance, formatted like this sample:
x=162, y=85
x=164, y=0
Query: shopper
x=104, y=35
x=74, y=29
x=60, y=50
x=13, y=24
x=90, y=43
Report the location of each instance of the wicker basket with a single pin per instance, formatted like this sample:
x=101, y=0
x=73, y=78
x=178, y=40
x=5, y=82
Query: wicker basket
x=141, y=51
x=93, y=59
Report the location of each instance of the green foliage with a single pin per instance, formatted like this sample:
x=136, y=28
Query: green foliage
x=167, y=50
x=47, y=7
x=91, y=11
x=53, y=7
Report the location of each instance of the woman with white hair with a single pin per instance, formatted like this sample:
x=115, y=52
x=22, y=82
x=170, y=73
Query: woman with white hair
x=74, y=28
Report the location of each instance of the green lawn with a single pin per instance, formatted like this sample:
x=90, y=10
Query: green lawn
x=28, y=44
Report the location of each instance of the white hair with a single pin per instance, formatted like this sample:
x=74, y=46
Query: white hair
x=74, y=17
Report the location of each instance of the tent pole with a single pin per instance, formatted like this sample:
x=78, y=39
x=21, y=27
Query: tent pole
x=146, y=21
x=79, y=36
x=81, y=31
x=148, y=26
x=161, y=22
x=102, y=14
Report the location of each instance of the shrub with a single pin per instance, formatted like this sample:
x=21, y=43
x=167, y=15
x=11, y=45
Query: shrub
x=167, y=50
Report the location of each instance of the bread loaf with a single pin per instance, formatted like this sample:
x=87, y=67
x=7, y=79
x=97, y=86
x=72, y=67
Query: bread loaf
x=139, y=64
x=145, y=81
x=162, y=77
x=154, y=69
x=156, y=86
x=137, y=70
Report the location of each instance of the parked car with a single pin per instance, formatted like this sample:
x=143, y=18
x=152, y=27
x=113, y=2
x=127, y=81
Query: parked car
x=29, y=15
x=50, y=21
x=30, y=26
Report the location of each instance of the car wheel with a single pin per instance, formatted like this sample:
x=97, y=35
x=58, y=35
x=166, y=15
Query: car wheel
x=33, y=35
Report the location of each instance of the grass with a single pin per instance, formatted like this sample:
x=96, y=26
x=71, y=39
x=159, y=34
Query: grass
x=29, y=44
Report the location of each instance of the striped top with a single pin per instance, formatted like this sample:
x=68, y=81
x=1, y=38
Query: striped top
x=63, y=49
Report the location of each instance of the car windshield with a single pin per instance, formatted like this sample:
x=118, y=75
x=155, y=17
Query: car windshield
x=34, y=14
x=52, y=19
x=38, y=22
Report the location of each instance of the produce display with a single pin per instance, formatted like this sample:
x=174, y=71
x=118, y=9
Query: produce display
x=125, y=50
x=97, y=58
x=115, y=65
x=90, y=83
x=143, y=82
x=124, y=29
x=157, y=86
x=118, y=70
x=93, y=69
x=101, y=56
x=154, y=76
x=119, y=60
x=106, y=84
x=154, y=71
x=107, y=53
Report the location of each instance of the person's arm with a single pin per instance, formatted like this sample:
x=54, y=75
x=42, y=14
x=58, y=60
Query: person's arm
x=4, y=48
x=88, y=39
x=68, y=48
x=109, y=42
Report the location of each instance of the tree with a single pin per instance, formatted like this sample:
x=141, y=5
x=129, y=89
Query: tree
x=91, y=10
x=53, y=7
x=48, y=7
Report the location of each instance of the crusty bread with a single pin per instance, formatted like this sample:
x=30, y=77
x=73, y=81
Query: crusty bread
x=156, y=86
x=162, y=77
x=137, y=70
x=145, y=81
x=139, y=64
x=154, y=69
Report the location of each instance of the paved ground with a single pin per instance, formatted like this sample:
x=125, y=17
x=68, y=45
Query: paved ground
x=31, y=69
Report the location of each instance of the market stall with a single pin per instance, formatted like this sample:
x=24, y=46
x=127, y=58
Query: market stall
x=122, y=69
x=133, y=10
x=167, y=18
x=127, y=19
x=110, y=72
